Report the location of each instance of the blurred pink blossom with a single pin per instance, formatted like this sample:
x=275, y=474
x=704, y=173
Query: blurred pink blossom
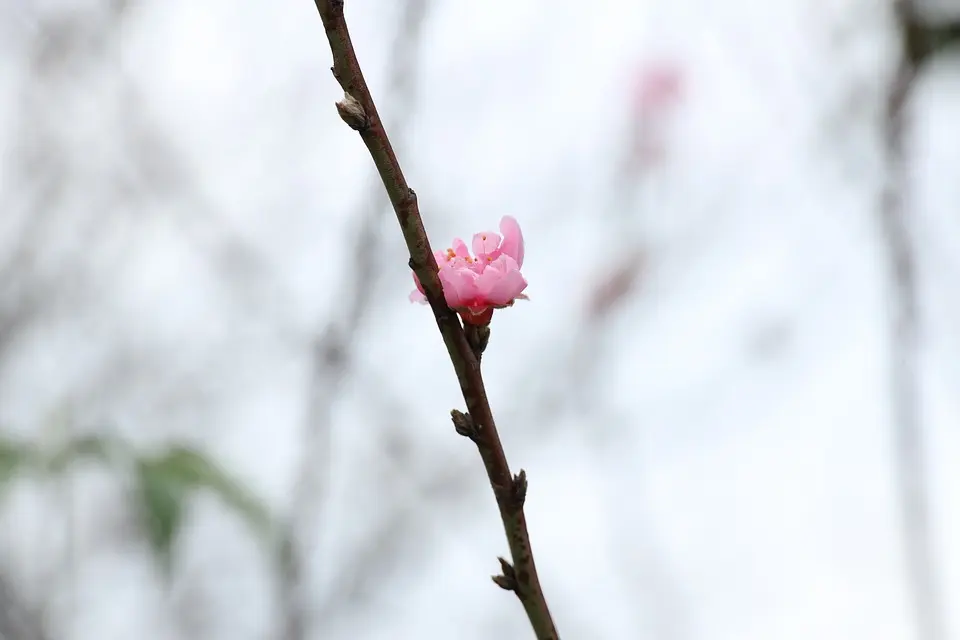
x=475, y=286
x=657, y=93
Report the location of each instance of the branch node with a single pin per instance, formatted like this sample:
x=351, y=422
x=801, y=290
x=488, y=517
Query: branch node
x=337, y=77
x=508, y=579
x=464, y=424
x=478, y=337
x=353, y=113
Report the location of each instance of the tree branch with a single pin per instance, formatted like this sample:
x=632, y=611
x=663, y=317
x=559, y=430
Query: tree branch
x=359, y=112
x=915, y=49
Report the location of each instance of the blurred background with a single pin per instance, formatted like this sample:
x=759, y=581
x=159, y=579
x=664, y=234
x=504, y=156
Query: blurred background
x=735, y=389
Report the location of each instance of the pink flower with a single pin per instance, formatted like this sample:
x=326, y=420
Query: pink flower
x=658, y=91
x=490, y=279
x=659, y=87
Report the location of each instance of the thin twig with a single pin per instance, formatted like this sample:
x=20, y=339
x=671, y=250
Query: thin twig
x=904, y=375
x=508, y=489
x=333, y=358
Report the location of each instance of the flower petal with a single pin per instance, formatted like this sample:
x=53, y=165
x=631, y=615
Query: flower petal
x=485, y=242
x=506, y=289
x=416, y=281
x=459, y=286
x=505, y=263
x=501, y=281
x=416, y=296
x=512, y=244
x=442, y=257
x=460, y=248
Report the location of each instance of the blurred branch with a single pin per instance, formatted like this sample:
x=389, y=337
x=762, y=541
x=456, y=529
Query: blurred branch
x=923, y=580
x=153, y=168
x=79, y=48
x=333, y=350
x=17, y=622
x=658, y=92
x=921, y=39
x=359, y=111
x=402, y=526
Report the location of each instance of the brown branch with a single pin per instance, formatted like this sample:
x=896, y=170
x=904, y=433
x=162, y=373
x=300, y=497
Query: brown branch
x=359, y=111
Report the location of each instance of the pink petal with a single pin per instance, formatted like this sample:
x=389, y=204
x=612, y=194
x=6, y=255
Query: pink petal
x=505, y=263
x=477, y=266
x=416, y=296
x=506, y=289
x=512, y=244
x=442, y=257
x=485, y=242
x=501, y=281
x=460, y=248
x=416, y=281
x=459, y=286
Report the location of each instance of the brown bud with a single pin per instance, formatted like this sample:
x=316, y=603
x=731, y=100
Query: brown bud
x=353, y=113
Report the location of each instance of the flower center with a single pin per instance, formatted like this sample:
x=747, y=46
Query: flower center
x=452, y=255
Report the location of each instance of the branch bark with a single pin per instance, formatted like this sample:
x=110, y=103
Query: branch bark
x=360, y=113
